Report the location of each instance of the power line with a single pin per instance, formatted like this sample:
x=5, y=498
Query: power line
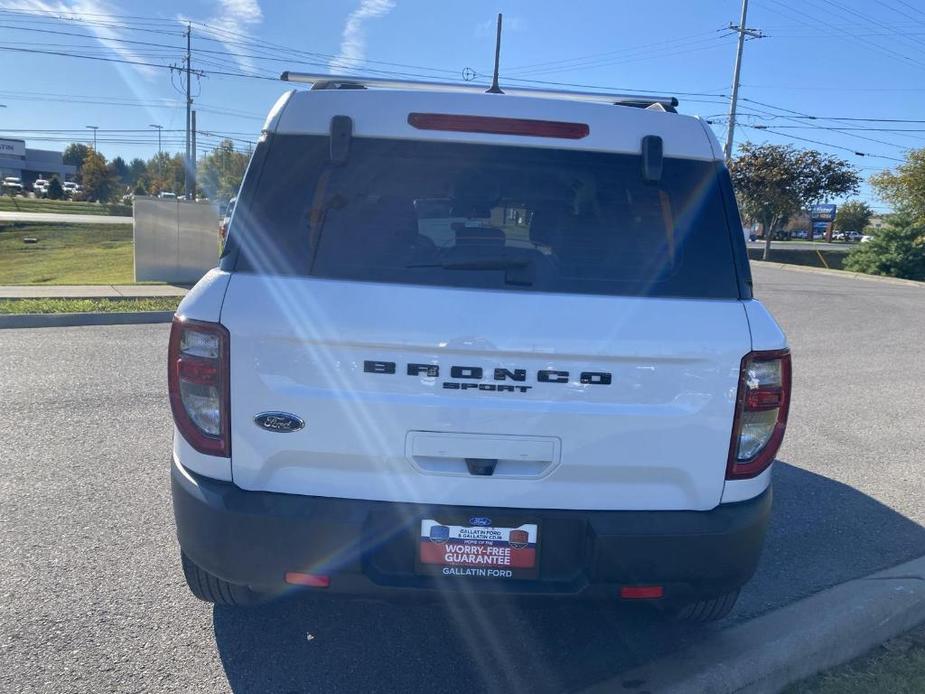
x=826, y=144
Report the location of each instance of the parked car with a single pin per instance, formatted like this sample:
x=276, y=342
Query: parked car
x=801, y=234
x=531, y=406
x=818, y=235
x=167, y=195
x=838, y=236
x=40, y=187
x=853, y=236
x=226, y=221
x=866, y=237
x=12, y=185
x=71, y=188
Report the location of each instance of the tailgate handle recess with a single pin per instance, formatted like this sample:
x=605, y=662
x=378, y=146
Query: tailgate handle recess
x=484, y=467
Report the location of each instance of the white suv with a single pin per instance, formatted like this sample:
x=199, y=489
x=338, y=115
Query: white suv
x=478, y=342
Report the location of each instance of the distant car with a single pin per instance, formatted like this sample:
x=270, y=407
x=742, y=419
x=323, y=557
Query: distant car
x=12, y=185
x=226, y=220
x=801, y=234
x=838, y=236
x=40, y=187
x=818, y=234
x=865, y=238
x=853, y=236
x=167, y=195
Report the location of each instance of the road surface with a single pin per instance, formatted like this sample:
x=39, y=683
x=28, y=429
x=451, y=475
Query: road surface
x=61, y=218
x=92, y=597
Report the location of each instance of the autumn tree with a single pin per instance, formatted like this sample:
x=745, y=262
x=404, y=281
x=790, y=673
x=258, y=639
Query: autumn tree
x=904, y=187
x=774, y=182
x=97, y=178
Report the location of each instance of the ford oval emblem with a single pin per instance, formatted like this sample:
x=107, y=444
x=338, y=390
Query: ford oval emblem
x=280, y=422
x=480, y=521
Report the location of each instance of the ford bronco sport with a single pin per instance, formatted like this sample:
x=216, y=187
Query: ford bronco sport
x=480, y=342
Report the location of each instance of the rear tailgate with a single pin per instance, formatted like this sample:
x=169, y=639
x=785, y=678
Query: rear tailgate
x=602, y=402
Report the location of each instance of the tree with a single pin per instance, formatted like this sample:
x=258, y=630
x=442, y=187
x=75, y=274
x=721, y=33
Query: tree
x=75, y=154
x=853, y=215
x=773, y=182
x=221, y=171
x=120, y=171
x=98, y=181
x=165, y=172
x=898, y=250
x=55, y=189
x=136, y=171
x=904, y=187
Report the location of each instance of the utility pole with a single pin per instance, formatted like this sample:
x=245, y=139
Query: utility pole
x=193, y=148
x=189, y=106
x=743, y=32
x=94, y=128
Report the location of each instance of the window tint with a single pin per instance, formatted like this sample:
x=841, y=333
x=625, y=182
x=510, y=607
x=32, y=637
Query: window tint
x=487, y=217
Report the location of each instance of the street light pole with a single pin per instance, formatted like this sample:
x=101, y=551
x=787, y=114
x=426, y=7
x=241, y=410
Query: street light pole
x=160, y=163
x=94, y=128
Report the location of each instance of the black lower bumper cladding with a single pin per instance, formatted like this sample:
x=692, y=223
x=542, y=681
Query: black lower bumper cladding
x=255, y=538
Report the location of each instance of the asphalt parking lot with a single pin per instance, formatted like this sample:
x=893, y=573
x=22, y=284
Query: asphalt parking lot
x=92, y=597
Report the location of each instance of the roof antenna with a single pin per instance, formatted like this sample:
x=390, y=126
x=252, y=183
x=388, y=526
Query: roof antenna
x=494, y=88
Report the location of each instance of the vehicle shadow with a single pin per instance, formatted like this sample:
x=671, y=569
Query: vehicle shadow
x=822, y=533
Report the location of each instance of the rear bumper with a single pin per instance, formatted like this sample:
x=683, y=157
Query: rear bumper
x=254, y=538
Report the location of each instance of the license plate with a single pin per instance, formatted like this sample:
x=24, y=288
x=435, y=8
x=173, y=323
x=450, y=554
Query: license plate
x=500, y=550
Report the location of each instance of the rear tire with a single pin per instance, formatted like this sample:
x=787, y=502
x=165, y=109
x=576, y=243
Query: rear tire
x=709, y=610
x=209, y=588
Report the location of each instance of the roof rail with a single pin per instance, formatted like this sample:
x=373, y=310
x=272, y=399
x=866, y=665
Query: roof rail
x=322, y=81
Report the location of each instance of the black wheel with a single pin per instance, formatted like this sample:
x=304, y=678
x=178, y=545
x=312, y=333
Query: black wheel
x=212, y=589
x=707, y=610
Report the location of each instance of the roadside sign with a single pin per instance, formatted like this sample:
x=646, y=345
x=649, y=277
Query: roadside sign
x=822, y=213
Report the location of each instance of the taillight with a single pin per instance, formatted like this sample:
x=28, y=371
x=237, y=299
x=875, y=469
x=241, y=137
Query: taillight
x=762, y=404
x=198, y=381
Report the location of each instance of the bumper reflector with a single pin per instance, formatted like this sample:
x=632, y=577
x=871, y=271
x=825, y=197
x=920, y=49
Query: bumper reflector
x=311, y=580
x=641, y=592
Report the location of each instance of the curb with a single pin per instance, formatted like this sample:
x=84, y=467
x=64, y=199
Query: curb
x=839, y=273
x=769, y=652
x=61, y=320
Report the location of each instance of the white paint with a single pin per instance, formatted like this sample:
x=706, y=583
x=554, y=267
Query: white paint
x=384, y=113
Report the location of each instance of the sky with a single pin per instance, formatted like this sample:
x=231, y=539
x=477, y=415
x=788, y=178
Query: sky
x=820, y=64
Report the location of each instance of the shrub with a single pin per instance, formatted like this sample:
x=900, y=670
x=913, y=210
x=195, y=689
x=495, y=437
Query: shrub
x=55, y=189
x=897, y=250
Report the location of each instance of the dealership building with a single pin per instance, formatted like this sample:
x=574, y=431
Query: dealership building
x=29, y=164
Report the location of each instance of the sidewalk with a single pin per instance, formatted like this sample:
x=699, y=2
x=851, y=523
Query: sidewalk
x=90, y=291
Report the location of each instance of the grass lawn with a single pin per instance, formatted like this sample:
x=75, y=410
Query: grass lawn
x=160, y=303
x=66, y=254
x=897, y=667
x=16, y=204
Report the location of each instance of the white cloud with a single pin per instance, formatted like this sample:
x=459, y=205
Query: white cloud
x=91, y=10
x=353, y=40
x=231, y=25
x=489, y=28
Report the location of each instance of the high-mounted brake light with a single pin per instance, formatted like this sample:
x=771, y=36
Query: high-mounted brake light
x=498, y=126
x=762, y=404
x=198, y=382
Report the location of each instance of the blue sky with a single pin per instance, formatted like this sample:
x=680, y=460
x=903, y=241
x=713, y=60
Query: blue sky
x=834, y=59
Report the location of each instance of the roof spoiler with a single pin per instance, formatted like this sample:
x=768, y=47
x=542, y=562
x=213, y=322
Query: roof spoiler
x=322, y=81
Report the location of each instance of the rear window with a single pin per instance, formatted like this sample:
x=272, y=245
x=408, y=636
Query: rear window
x=488, y=217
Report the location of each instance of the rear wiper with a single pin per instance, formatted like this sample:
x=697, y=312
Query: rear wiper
x=498, y=264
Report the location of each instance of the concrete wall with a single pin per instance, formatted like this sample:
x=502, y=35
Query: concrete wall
x=175, y=240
